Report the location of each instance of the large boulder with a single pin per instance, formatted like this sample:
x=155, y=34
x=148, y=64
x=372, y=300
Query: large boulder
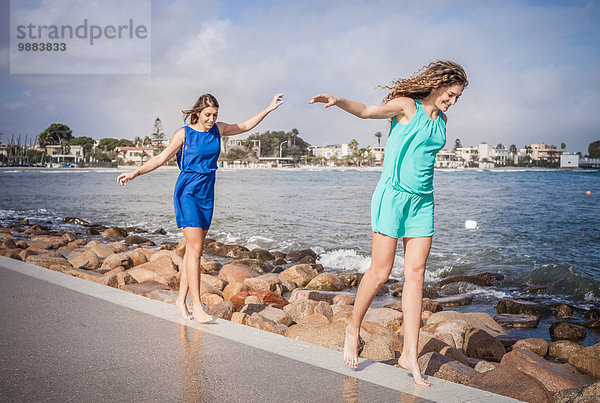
x=88, y=260
x=163, y=266
x=138, y=256
x=587, y=360
x=301, y=309
x=517, y=321
x=144, y=288
x=216, y=282
x=455, y=300
x=300, y=274
x=450, y=331
x=268, y=297
x=137, y=240
x=236, y=273
x=563, y=349
x=48, y=261
x=537, y=346
x=555, y=377
x=482, y=345
x=177, y=260
x=232, y=289
x=277, y=315
x=568, y=331
x=326, y=335
x=507, y=305
x=254, y=264
x=116, y=260
x=260, y=322
x=385, y=317
x=47, y=241
x=440, y=366
x=223, y=310
x=102, y=250
x=509, y=381
x=326, y=282
x=297, y=255
x=266, y=282
x=474, y=319
x=333, y=298
x=480, y=281
x=114, y=232
x=379, y=349
x=583, y=394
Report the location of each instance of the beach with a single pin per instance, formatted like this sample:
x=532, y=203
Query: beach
x=288, y=245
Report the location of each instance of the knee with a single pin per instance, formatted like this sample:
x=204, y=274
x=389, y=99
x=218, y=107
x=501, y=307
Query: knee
x=379, y=277
x=414, y=273
x=194, y=250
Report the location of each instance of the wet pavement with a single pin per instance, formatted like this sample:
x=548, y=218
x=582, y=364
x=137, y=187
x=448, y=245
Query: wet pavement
x=67, y=339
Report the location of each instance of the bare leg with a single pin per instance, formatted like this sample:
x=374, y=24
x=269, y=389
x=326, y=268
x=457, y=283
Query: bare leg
x=416, y=251
x=182, y=296
x=194, y=238
x=382, y=260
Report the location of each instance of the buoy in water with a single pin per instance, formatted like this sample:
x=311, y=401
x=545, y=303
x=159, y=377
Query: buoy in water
x=471, y=224
x=589, y=192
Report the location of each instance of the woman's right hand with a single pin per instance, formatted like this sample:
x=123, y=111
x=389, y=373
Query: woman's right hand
x=126, y=177
x=328, y=100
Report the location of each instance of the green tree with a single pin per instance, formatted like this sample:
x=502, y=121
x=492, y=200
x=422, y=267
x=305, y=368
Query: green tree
x=56, y=133
x=457, y=144
x=594, y=149
x=500, y=146
x=512, y=149
x=86, y=142
x=563, y=146
x=270, y=141
x=157, y=133
x=378, y=135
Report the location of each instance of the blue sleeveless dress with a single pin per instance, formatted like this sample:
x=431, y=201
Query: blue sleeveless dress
x=402, y=204
x=194, y=194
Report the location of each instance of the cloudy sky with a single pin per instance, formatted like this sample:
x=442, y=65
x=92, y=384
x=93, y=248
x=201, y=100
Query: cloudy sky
x=533, y=68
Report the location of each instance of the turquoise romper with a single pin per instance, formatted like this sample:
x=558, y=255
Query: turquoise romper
x=402, y=204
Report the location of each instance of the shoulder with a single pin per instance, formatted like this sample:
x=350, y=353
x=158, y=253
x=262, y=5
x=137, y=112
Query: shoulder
x=220, y=126
x=444, y=117
x=179, y=135
x=404, y=107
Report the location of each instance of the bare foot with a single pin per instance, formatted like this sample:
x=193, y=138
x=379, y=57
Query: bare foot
x=351, y=348
x=184, y=310
x=414, y=370
x=201, y=316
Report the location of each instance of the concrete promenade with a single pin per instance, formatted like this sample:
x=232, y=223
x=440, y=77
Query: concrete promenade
x=67, y=339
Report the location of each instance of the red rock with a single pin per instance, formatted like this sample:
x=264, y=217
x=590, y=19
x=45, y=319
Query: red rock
x=511, y=382
x=232, y=289
x=474, y=319
x=267, y=296
x=378, y=349
x=554, y=377
x=327, y=335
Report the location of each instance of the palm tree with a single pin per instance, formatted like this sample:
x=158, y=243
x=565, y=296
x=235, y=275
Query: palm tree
x=513, y=151
x=143, y=155
x=378, y=135
x=563, y=146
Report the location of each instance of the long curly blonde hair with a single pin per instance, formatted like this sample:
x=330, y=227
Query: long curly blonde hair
x=441, y=73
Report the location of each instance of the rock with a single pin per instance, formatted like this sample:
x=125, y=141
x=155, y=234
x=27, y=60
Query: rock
x=8, y=244
x=48, y=261
x=92, y=231
x=350, y=279
x=76, y=220
x=315, y=318
x=474, y=319
x=511, y=382
x=232, y=289
x=582, y=394
x=138, y=256
x=236, y=273
x=593, y=313
x=386, y=317
x=461, y=287
x=440, y=366
x=180, y=248
x=517, y=321
x=507, y=305
x=260, y=322
x=326, y=282
x=537, y=346
x=431, y=305
x=124, y=278
x=288, y=286
x=262, y=254
x=300, y=274
x=208, y=289
x=463, y=279
x=490, y=278
x=219, y=249
x=114, y=232
x=592, y=324
x=144, y=288
x=455, y=300
x=216, y=282
x=209, y=267
x=135, y=240
x=267, y=296
x=563, y=349
x=587, y=359
x=116, y=260
x=25, y=253
x=84, y=274
x=223, y=310
x=254, y=264
x=50, y=241
x=239, y=317
x=485, y=366
x=569, y=331
x=278, y=316
x=480, y=344
x=114, y=271
x=267, y=282
x=301, y=309
x=249, y=309
x=163, y=266
x=378, y=349
x=563, y=310
x=303, y=294
x=297, y=255
x=253, y=299
x=102, y=250
x=321, y=334
x=554, y=377
x=455, y=329
x=211, y=300
x=370, y=331
x=307, y=260
x=344, y=299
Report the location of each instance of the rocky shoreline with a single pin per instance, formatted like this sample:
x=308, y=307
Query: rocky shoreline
x=291, y=295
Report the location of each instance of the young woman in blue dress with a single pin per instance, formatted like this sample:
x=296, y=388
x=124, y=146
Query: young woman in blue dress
x=197, y=146
x=402, y=204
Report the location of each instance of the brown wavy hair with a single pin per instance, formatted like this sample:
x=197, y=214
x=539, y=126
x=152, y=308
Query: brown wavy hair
x=204, y=101
x=441, y=73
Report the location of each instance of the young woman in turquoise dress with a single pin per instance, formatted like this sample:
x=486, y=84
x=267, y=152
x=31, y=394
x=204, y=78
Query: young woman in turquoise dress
x=197, y=147
x=402, y=204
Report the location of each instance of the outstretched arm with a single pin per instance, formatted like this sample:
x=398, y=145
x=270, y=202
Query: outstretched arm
x=239, y=128
x=157, y=160
x=395, y=107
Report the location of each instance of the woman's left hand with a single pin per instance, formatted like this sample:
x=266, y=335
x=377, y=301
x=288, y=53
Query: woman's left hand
x=277, y=100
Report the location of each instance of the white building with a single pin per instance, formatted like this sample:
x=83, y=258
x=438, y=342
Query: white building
x=72, y=154
x=332, y=150
x=135, y=155
x=447, y=159
x=240, y=143
x=467, y=155
x=569, y=160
